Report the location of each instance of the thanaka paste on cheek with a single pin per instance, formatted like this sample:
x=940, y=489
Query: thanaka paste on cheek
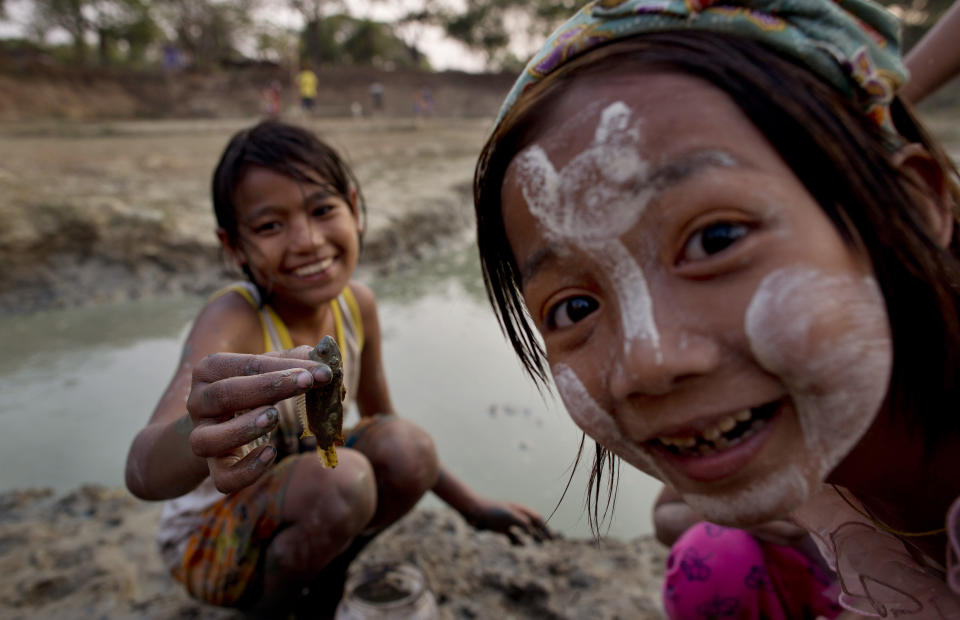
x=778, y=492
x=828, y=339
x=774, y=495
x=594, y=421
x=589, y=204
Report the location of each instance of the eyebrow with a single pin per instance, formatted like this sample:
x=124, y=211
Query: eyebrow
x=323, y=193
x=681, y=169
x=536, y=261
x=688, y=165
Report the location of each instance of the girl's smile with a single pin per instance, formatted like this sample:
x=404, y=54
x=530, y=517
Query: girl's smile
x=299, y=239
x=702, y=317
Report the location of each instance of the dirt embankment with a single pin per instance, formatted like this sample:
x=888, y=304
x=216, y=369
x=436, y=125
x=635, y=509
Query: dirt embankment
x=99, y=212
x=32, y=93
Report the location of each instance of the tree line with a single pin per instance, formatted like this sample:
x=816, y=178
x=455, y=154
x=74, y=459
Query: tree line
x=216, y=32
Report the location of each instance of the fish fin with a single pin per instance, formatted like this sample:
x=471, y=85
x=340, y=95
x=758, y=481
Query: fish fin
x=302, y=416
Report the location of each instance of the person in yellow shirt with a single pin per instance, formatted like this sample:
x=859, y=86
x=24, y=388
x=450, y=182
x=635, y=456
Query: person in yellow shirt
x=307, y=81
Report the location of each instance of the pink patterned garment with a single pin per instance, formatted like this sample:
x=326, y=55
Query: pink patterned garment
x=879, y=576
x=717, y=572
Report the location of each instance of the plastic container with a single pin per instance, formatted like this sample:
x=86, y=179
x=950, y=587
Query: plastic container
x=387, y=591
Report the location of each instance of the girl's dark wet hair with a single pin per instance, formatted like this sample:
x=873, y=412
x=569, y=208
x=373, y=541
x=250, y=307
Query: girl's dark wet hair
x=287, y=149
x=843, y=159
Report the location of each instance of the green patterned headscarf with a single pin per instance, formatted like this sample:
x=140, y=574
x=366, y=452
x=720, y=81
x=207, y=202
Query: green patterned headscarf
x=852, y=44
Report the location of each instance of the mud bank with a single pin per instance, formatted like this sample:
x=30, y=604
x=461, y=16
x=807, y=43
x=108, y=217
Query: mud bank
x=90, y=554
x=112, y=211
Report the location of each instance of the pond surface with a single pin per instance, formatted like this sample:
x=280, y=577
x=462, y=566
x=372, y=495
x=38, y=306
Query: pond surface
x=77, y=385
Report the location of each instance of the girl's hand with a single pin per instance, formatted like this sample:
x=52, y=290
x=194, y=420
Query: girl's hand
x=232, y=402
x=509, y=519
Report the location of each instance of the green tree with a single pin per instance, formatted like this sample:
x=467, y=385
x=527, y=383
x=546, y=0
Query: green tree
x=317, y=40
x=110, y=21
x=71, y=16
x=375, y=43
x=129, y=22
x=345, y=39
x=209, y=31
x=277, y=44
x=490, y=26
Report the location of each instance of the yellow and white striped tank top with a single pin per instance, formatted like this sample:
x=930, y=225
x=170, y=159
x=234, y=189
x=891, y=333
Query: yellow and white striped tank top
x=181, y=516
x=348, y=326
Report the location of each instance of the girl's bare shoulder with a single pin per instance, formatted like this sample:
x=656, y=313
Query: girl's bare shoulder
x=230, y=323
x=366, y=300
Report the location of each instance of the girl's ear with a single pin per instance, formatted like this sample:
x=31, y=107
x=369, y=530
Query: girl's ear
x=930, y=189
x=235, y=254
x=354, y=198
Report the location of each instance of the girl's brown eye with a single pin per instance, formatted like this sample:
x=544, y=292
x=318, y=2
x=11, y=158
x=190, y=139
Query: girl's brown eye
x=713, y=239
x=571, y=310
x=266, y=227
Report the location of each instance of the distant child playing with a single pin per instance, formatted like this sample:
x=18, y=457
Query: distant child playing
x=307, y=84
x=251, y=522
x=736, y=250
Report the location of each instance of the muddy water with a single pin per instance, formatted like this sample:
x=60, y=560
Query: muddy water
x=75, y=386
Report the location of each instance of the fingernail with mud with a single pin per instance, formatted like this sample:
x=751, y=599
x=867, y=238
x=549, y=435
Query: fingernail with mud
x=322, y=373
x=304, y=379
x=267, y=455
x=267, y=418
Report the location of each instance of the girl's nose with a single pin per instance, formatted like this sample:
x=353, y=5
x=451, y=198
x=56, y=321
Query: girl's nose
x=645, y=368
x=306, y=235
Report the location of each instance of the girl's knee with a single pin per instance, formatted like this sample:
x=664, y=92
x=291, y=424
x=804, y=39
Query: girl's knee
x=403, y=455
x=406, y=458
x=338, y=502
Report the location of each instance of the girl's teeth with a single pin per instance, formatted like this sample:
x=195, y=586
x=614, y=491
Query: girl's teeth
x=309, y=270
x=726, y=424
x=714, y=434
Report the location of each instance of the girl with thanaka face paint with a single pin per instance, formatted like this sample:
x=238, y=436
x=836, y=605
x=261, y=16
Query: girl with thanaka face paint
x=734, y=248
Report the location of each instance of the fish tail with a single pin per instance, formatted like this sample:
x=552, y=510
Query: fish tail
x=328, y=456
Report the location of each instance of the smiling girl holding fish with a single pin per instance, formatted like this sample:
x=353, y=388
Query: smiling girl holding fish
x=735, y=249
x=256, y=518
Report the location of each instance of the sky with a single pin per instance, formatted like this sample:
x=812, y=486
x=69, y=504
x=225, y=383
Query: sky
x=443, y=52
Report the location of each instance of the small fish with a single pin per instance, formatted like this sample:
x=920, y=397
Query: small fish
x=320, y=409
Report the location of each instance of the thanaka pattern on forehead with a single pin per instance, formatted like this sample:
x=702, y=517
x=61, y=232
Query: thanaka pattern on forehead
x=591, y=201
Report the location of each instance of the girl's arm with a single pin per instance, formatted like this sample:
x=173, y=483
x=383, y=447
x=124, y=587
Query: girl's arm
x=374, y=398
x=193, y=430
x=935, y=59
x=489, y=514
